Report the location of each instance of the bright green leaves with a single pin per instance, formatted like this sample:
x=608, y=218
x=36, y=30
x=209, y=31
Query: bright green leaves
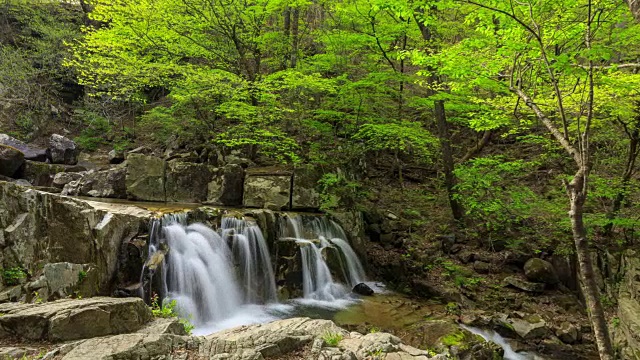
x=405, y=138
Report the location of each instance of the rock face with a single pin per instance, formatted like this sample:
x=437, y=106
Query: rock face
x=42, y=174
x=538, y=270
x=10, y=160
x=145, y=178
x=106, y=184
x=267, y=191
x=30, y=152
x=187, y=182
x=62, y=150
x=305, y=195
x=38, y=228
x=62, y=179
x=116, y=156
x=524, y=285
x=70, y=319
x=226, y=186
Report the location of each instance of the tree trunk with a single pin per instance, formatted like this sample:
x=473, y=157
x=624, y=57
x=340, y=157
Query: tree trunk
x=447, y=160
x=634, y=6
x=577, y=193
x=295, y=19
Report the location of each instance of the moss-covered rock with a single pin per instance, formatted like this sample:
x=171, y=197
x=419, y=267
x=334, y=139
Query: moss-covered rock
x=267, y=191
x=145, y=179
x=10, y=160
x=187, y=182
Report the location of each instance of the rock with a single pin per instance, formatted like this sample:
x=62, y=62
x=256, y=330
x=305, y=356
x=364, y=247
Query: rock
x=18, y=353
x=363, y=289
x=524, y=285
x=105, y=184
x=42, y=174
x=71, y=319
x=538, y=270
x=128, y=347
x=62, y=150
x=145, y=177
x=305, y=195
x=267, y=191
x=63, y=178
x=226, y=186
x=568, y=333
x=164, y=326
x=187, y=182
x=30, y=152
x=41, y=228
x=11, y=159
x=116, y=156
x=481, y=267
x=532, y=327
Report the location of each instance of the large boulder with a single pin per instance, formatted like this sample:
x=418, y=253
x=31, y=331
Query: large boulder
x=63, y=178
x=30, y=152
x=11, y=159
x=38, y=228
x=267, y=189
x=145, y=178
x=105, y=184
x=187, y=182
x=62, y=150
x=226, y=186
x=541, y=271
x=305, y=195
x=42, y=174
x=531, y=327
x=71, y=319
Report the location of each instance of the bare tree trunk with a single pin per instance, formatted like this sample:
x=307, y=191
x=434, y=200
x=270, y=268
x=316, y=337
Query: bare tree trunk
x=447, y=160
x=577, y=193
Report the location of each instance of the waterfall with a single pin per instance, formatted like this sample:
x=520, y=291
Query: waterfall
x=253, y=261
x=492, y=336
x=210, y=274
x=315, y=237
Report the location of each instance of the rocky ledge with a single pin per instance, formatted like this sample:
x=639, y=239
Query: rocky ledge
x=123, y=329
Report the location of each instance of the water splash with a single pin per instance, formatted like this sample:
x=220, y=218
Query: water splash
x=492, y=336
x=210, y=274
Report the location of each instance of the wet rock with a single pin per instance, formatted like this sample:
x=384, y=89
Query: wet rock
x=11, y=160
x=145, y=177
x=538, y=270
x=267, y=191
x=363, y=289
x=305, y=182
x=62, y=150
x=105, y=184
x=71, y=319
x=524, y=285
x=187, y=182
x=568, y=333
x=226, y=186
x=30, y=152
x=116, y=156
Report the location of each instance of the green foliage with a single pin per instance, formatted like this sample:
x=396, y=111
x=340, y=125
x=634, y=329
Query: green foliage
x=453, y=339
x=489, y=197
x=332, y=339
x=13, y=276
x=337, y=191
x=81, y=276
x=169, y=309
x=404, y=138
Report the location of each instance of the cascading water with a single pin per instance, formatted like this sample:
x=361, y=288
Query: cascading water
x=202, y=268
x=315, y=237
x=253, y=261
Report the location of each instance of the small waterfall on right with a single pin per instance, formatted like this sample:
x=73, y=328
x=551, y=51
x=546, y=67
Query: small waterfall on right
x=316, y=236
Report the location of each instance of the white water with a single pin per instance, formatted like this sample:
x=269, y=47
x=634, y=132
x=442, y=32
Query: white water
x=492, y=336
x=253, y=261
x=222, y=279
x=315, y=237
